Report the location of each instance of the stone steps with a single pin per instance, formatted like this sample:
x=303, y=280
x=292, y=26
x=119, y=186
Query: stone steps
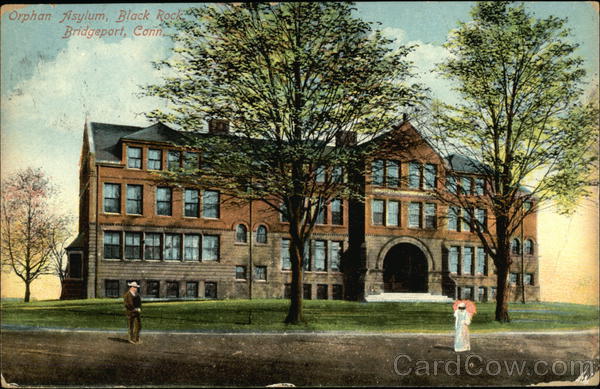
x=408, y=297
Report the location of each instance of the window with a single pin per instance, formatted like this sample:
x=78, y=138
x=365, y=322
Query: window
x=338, y=174
x=163, y=201
x=191, y=207
x=133, y=245
x=283, y=215
x=451, y=184
x=240, y=272
x=320, y=255
x=481, y=261
x=111, y=288
x=191, y=247
x=285, y=255
x=414, y=215
x=335, y=255
x=210, y=290
x=466, y=292
x=430, y=172
x=241, y=233
x=260, y=273
x=337, y=212
x=75, y=265
x=134, y=157
x=482, y=294
x=152, y=246
x=527, y=205
x=453, y=215
x=134, y=199
x=307, y=292
x=512, y=278
x=210, y=248
x=453, y=259
x=210, y=206
x=320, y=174
x=393, y=213
x=377, y=172
x=493, y=293
x=465, y=185
x=191, y=289
x=112, y=198
x=112, y=244
x=430, y=215
x=173, y=160
x=392, y=176
x=321, y=210
x=322, y=292
x=154, y=159
x=528, y=247
x=153, y=288
x=466, y=220
x=191, y=160
x=172, y=289
x=306, y=257
x=287, y=291
x=467, y=261
x=261, y=234
x=414, y=175
x=528, y=279
x=480, y=217
x=378, y=207
x=337, y=292
x=172, y=247
x=515, y=246
x=479, y=186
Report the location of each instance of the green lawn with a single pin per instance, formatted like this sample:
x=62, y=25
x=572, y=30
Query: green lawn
x=268, y=315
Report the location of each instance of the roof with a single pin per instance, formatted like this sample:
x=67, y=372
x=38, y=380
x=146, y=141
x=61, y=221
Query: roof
x=461, y=164
x=106, y=140
x=155, y=133
x=78, y=243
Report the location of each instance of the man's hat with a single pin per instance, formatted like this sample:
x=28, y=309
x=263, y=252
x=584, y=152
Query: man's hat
x=133, y=284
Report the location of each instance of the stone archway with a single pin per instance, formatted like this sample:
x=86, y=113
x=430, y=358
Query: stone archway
x=405, y=269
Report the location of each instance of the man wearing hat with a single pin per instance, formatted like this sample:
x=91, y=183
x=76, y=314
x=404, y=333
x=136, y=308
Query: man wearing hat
x=133, y=305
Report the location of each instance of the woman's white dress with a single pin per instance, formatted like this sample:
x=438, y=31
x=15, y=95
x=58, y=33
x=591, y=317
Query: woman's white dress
x=461, y=328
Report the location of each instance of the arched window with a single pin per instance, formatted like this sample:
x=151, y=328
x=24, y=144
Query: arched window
x=261, y=234
x=515, y=246
x=528, y=247
x=241, y=233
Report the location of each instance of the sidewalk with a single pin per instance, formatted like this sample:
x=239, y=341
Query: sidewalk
x=11, y=327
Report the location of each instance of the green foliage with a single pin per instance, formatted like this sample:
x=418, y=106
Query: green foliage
x=290, y=78
x=521, y=112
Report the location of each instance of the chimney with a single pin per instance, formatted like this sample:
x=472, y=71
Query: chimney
x=218, y=126
x=405, y=117
x=345, y=138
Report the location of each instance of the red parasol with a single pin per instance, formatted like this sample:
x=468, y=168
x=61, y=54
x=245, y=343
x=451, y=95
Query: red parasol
x=469, y=306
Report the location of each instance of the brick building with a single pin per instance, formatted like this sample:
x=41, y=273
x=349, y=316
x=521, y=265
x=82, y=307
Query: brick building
x=190, y=243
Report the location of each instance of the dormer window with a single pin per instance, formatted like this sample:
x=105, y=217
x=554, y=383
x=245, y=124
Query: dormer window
x=134, y=157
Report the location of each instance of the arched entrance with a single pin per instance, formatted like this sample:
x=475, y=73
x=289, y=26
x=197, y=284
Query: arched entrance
x=405, y=269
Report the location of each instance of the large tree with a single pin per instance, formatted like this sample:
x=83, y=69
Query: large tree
x=29, y=228
x=290, y=78
x=521, y=123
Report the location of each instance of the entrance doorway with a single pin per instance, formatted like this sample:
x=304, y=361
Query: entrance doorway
x=405, y=269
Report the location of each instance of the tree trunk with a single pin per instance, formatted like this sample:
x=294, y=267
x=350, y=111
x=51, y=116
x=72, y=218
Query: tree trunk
x=27, y=291
x=294, y=315
x=502, y=295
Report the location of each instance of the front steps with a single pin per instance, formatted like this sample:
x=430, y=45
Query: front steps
x=408, y=298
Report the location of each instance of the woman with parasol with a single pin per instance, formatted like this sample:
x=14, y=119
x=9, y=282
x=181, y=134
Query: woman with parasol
x=463, y=312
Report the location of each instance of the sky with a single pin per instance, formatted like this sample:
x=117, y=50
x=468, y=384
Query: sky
x=53, y=82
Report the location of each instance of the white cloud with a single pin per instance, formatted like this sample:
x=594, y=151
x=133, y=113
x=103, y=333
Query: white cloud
x=43, y=116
